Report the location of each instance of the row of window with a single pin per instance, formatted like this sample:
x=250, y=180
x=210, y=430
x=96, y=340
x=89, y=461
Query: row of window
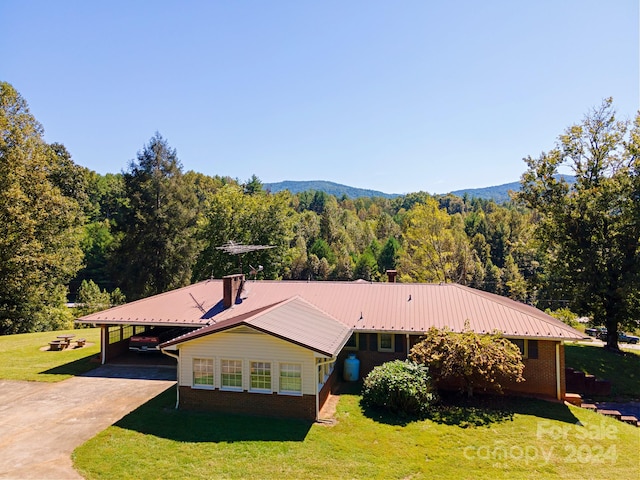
x=260, y=376
x=123, y=332
x=385, y=342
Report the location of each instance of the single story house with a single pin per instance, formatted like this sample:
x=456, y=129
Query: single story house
x=277, y=347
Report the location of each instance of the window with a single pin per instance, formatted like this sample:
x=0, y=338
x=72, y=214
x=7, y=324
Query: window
x=528, y=348
x=115, y=334
x=231, y=374
x=385, y=342
x=261, y=376
x=352, y=343
x=520, y=344
x=203, y=372
x=290, y=378
x=324, y=368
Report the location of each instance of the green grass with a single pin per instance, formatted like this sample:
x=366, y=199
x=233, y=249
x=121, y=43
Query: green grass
x=22, y=357
x=521, y=438
x=623, y=371
x=509, y=438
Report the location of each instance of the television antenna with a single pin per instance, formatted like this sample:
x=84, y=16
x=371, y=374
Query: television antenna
x=239, y=249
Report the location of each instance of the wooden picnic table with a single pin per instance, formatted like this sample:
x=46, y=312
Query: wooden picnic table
x=66, y=339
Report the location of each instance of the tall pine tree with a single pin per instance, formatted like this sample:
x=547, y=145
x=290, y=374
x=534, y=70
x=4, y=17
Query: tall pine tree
x=158, y=246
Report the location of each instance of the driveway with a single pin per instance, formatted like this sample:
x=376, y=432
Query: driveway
x=42, y=423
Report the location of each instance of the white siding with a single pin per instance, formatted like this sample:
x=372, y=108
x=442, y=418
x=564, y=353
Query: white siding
x=247, y=345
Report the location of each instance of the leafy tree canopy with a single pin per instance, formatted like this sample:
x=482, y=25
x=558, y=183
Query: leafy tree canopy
x=591, y=229
x=40, y=226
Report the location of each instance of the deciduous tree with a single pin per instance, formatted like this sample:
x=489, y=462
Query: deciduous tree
x=436, y=248
x=591, y=229
x=39, y=225
x=257, y=218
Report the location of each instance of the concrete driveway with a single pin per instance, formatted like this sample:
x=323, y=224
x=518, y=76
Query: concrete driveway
x=42, y=423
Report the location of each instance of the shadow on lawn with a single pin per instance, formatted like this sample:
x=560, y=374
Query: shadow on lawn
x=479, y=411
x=77, y=367
x=158, y=417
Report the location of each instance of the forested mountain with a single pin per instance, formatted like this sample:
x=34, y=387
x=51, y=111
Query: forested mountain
x=331, y=188
x=496, y=193
x=69, y=232
x=501, y=193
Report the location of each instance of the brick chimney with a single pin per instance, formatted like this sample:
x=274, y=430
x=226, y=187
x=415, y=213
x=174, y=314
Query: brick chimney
x=231, y=288
x=391, y=275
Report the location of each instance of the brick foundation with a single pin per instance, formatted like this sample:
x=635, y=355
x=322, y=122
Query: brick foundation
x=263, y=404
x=270, y=405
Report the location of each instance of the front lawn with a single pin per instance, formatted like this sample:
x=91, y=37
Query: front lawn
x=523, y=439
x=27, y=356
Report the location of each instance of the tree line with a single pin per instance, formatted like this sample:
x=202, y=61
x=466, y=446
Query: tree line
x=69, y=232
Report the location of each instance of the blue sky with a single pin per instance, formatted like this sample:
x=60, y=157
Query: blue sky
x=395, y=96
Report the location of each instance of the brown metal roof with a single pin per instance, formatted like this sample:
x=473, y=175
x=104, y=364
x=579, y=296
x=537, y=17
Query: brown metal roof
x=393, y=307
x=194, y=305
x=318, y=332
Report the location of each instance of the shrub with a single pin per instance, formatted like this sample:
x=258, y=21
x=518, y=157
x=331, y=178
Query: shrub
x=469, y=359
x=402, y=387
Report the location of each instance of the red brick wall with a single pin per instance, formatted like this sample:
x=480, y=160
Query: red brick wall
x=539, y=374
x=270, y=405
x=327, y=388
x=369, y=356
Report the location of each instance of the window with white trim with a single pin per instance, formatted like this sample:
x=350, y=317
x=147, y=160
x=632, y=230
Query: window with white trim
x=231, y=374
x=528, y=348
x=385, y=342
x=290, y=378
x=325, y=369
x=203, y=372
x=260, y=376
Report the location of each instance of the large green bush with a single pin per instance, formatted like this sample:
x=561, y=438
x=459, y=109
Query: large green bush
x=399, y=386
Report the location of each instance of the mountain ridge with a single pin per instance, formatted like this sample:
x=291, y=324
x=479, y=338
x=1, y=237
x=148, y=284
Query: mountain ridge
x=497, y=193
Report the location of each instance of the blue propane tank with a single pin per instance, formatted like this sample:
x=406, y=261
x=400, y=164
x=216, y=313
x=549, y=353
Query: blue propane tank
x=351, y=368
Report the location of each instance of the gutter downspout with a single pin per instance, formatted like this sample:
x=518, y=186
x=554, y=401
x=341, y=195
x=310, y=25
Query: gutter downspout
x=408, y=344
x=320, y=364
x=177, y=375
x=558, y=389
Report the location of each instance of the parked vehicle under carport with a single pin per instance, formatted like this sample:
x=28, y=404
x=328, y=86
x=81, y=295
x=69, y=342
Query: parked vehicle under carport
x=149, y=340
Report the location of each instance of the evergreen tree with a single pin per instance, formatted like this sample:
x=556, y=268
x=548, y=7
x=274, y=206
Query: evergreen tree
x=158, y=247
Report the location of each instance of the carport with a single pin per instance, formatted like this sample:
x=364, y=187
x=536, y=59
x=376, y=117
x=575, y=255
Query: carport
x=190, y=307
x=114, y=345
